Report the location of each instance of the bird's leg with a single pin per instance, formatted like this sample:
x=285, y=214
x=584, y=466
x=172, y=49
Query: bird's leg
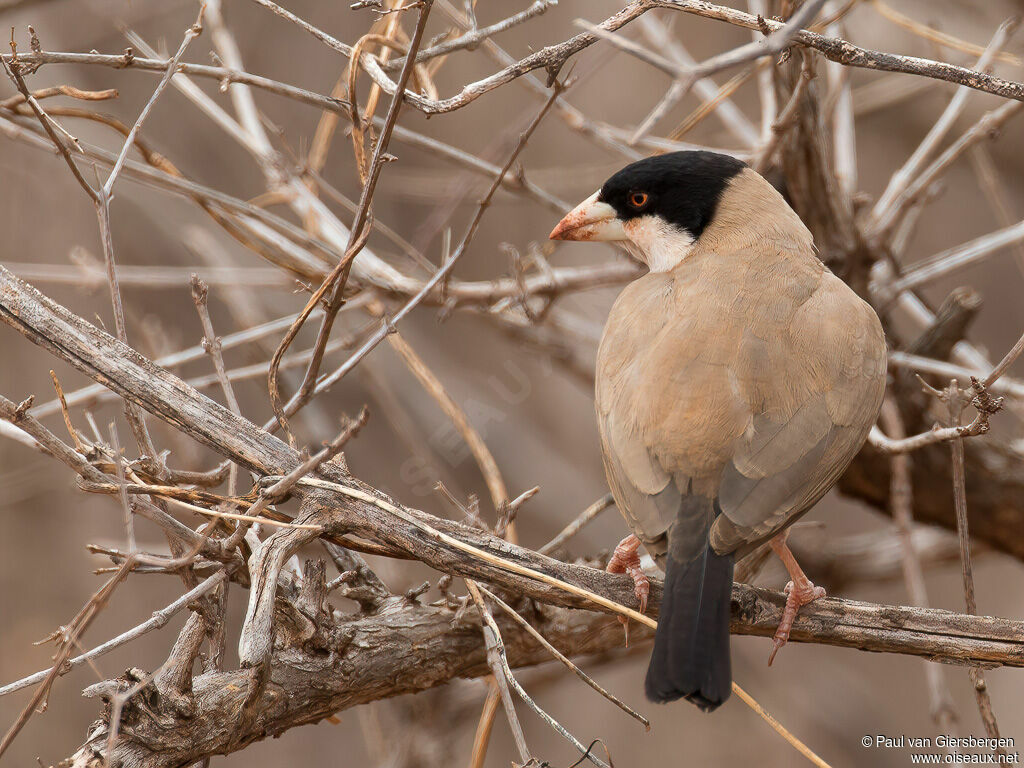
x=799, y=592
x=626, y=559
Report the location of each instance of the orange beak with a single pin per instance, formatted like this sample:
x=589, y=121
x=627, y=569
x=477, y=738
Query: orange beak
x=592, y=220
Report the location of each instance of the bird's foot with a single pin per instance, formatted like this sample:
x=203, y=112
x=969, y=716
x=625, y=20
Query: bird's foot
x=797, y=596
x=626, y=559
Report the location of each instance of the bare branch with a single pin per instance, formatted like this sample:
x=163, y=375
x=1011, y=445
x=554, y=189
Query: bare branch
x=562, y=658
x=301, y=398
x=912, y=167
x=902, y=514
x=500, y=673
x=172, y=66
x=960, y=505
x=852, y=55
x=576, y=525
x=158, y=620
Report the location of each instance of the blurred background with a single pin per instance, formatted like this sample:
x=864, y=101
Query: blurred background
x=533, y=407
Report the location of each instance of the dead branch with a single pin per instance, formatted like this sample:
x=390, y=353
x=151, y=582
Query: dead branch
x=302, y=659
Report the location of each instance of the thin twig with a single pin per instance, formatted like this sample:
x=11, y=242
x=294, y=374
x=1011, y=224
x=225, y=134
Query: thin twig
x=902, y=507
x=912, y=167
x=501, y=677
x=779, y=728
x=472, y=39
x=68, y=638
x=576, y=525
x=984, y=404
x=212, y=346
x=496, y=649
x=960, y=507
x=172, y=66
x=1003, y=385
x=156, y=621
x=335, y=282
x=1003, y=365
x=299, y=399
x=954, y=259
x=564, y=659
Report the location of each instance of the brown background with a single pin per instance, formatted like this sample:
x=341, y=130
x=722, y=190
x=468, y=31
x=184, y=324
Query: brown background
x=536, y=419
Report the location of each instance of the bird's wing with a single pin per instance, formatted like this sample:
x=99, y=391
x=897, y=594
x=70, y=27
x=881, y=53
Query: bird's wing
x=663, y=404
x=818, y=406
x=762, y=411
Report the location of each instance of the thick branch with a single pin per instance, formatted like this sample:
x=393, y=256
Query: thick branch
x=396, y=652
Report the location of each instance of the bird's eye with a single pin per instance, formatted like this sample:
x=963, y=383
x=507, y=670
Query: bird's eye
x=638, y=199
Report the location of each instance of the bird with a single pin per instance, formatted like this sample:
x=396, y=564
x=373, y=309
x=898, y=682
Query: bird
x=735, y=381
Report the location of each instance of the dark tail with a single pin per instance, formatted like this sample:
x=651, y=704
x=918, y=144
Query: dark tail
x=691, y=647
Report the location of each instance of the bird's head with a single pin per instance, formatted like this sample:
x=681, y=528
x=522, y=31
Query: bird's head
x=655, y=208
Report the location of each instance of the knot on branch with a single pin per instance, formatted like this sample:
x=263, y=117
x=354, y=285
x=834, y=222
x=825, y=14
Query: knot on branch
x=414, y=593
x=982, y=401
x=136, y=695
x=554, y=69
x=745, y=606
x=22, y=408
x=292, y=628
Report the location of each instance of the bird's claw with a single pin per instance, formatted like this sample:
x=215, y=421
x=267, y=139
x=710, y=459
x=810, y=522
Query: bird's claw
x=625, y=559
x=796, y=598
x=642, y=591
x=641, y=587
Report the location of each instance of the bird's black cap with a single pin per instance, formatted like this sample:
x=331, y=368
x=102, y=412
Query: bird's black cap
x=681, y=187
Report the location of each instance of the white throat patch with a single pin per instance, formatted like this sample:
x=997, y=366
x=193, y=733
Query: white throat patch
x=657, y=243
